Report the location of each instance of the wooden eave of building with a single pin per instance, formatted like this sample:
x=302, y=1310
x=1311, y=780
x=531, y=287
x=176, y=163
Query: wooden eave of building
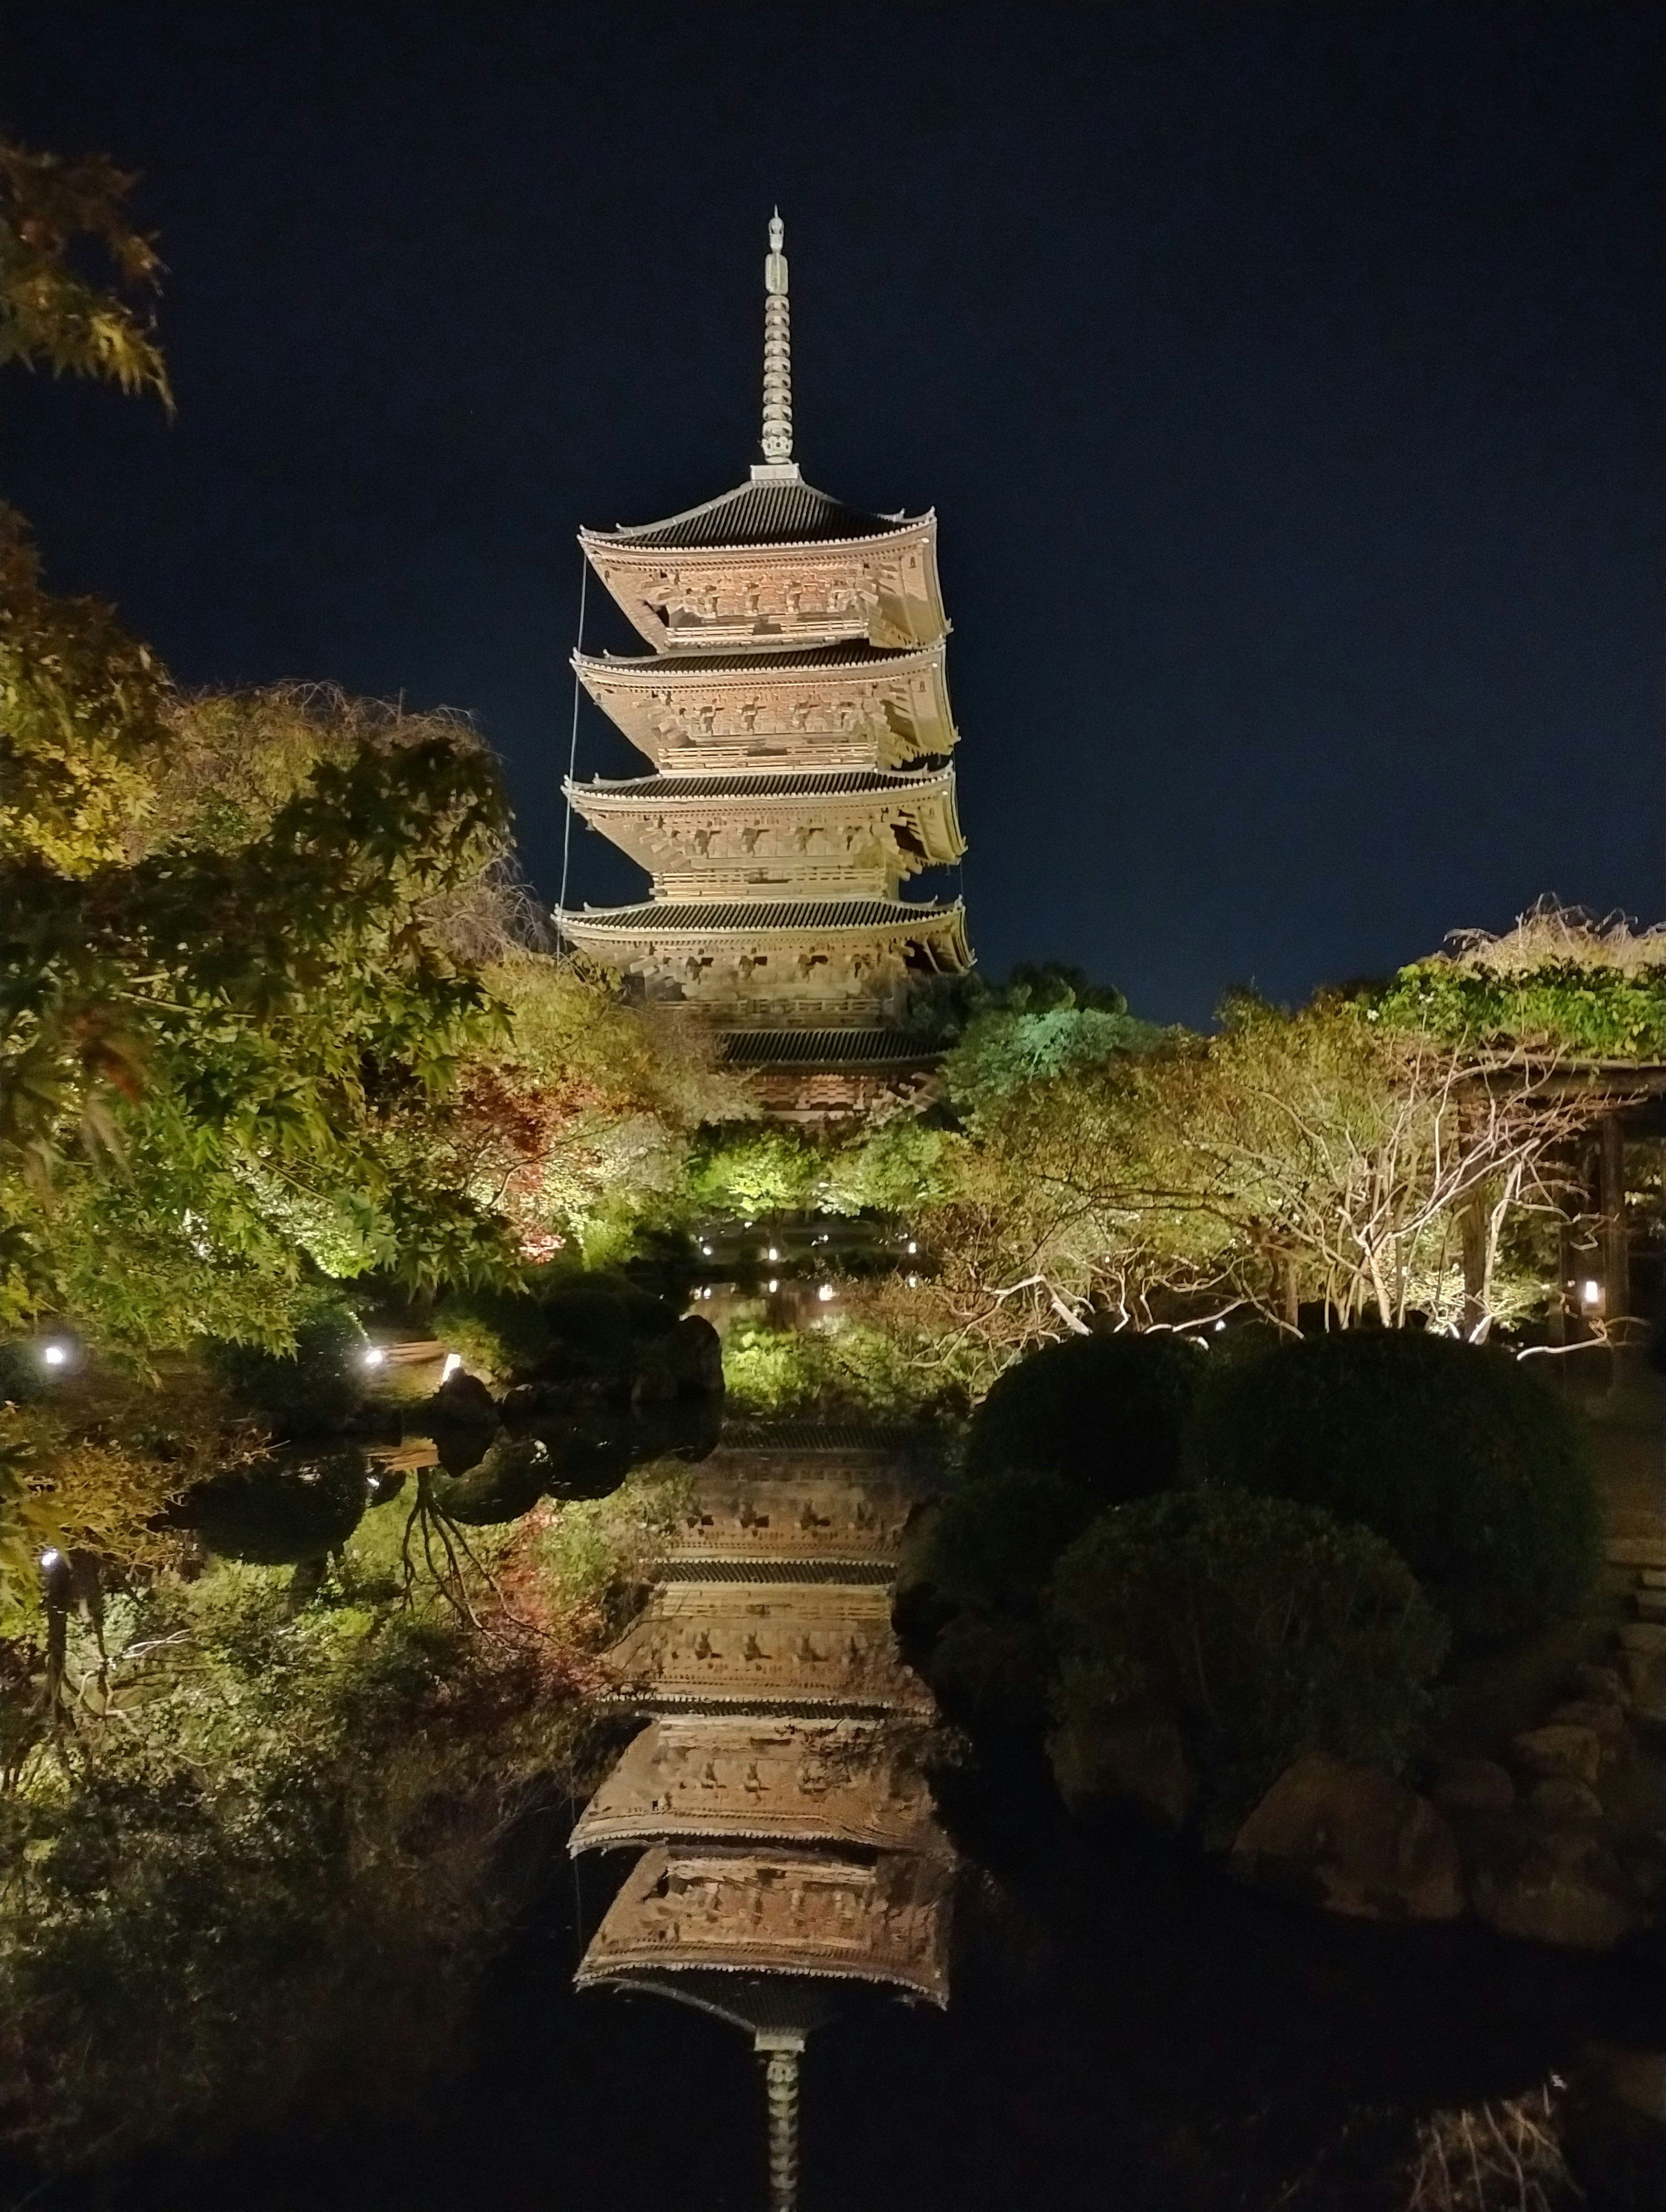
x=740, y=1779
x=744, y=1910
x=638, y=691
x=901, y=553
x=775, y=510
x=769, y=1647
x=684, y=922
x=824, y=1052
x=921, y=800
x=739, y=1510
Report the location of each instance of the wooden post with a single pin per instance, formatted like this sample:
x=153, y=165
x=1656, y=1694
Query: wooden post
x=1611, y=1204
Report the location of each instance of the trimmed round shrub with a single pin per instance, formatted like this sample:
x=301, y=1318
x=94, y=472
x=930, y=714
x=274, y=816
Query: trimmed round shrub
x=1474, y=1469
x=313, y=1389
x=278, y=1509
x=504, y=1332
x=970, y=1588
x=1268, y=1628
x=1104, y=1412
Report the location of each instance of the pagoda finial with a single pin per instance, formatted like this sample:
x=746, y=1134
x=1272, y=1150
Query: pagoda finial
x=777, y=358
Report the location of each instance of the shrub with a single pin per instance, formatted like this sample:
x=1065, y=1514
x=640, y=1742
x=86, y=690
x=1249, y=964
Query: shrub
x=968, y=1602
x=1269, y=1627
x=307, y=1392
x=1105, y=1411
x=500, y=1333
x=1459, y=1455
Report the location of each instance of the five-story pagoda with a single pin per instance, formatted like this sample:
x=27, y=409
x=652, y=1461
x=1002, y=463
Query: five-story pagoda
x=794, y=714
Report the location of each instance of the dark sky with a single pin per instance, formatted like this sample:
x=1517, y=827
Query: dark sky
x=1288, y=381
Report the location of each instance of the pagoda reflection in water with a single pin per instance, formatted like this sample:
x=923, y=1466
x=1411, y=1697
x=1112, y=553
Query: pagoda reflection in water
x=788, y=1844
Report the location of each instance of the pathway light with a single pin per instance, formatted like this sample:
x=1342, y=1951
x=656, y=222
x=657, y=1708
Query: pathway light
x=54, y=1355
x=1591, y=1292
x=453, y=1366
x=774, y=1283
x=373, y=1356
x=826, y=1293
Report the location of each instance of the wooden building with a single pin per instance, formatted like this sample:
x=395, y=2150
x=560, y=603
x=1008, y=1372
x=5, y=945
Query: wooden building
x=793, y=711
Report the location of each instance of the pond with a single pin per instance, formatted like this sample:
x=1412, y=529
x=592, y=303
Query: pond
x=1084, y=2023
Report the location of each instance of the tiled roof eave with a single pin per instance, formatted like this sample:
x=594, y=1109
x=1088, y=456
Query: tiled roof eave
x=758, y=917
x=751, y=785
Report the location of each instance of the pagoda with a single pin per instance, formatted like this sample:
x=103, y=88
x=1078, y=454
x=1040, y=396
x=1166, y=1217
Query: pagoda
x=794, y=713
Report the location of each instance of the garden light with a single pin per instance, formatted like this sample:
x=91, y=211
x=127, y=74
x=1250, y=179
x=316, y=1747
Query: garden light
x=49, y=1558
x=1591, y=1292
x=775, y=1283
x=373, y=1356
x=772, y=1254
x=911, y=1247
x=826, y=1293
x=452, y=1366
x=54, y=1355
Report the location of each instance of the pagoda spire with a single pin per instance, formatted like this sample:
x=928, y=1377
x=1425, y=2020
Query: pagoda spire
x=777, y=361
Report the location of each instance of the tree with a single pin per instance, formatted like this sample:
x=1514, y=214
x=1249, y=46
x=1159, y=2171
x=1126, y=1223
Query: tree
x=52, y=316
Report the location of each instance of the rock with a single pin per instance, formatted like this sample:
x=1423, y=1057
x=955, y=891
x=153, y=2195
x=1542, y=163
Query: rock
x=1647, y=1637
x=1353, y=1840
x=1602, y=1715
x=1561, y=1886
x=1614, y=2125
x=1472, y=1785
x=1560, y=1797
x=463, y=1399
x=527, y=1399
x=686, y=1362
x=1575, y=1751
x=1599, y=1682
x=1647, y=1676
x=1125, y=1759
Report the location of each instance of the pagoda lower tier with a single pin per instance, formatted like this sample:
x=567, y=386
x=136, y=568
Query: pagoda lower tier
x=854, y=832
x=830, y=963
x=853, y=705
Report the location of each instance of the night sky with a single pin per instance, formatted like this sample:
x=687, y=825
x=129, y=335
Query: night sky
x=1288, y=381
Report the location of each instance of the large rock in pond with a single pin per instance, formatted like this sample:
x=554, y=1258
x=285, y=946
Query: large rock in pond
x=1556, y=1884
x=687, y=1362
x=1127, y=1759
x=1353, y=1840
x=1559, y=1748
x=1472, y=1785
x=464, y=1401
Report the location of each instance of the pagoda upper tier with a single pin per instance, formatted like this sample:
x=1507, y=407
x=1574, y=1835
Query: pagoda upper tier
x=859, y=832
x=850, y=705
x=772, y=565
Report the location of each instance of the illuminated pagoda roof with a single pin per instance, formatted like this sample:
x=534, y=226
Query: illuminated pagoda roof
x=746, y=918
x=736, y=1910
x=852, y=704
x=743, y=1777
x=780, y=509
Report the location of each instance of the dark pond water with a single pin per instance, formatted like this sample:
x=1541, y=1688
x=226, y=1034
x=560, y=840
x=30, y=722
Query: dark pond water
x=1126, y=2030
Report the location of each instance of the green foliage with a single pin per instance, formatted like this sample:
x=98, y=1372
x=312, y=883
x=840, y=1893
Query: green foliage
x=904, y=1167
x=848, y=1367
x=1011, y=1046
x=280, y=1831
x=753, y=1168
x=1561, y=1006
x=1105, y=1412
x=1458, y=1455
x=282, y=1024
x=50, y=313
x=1271, y=1628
